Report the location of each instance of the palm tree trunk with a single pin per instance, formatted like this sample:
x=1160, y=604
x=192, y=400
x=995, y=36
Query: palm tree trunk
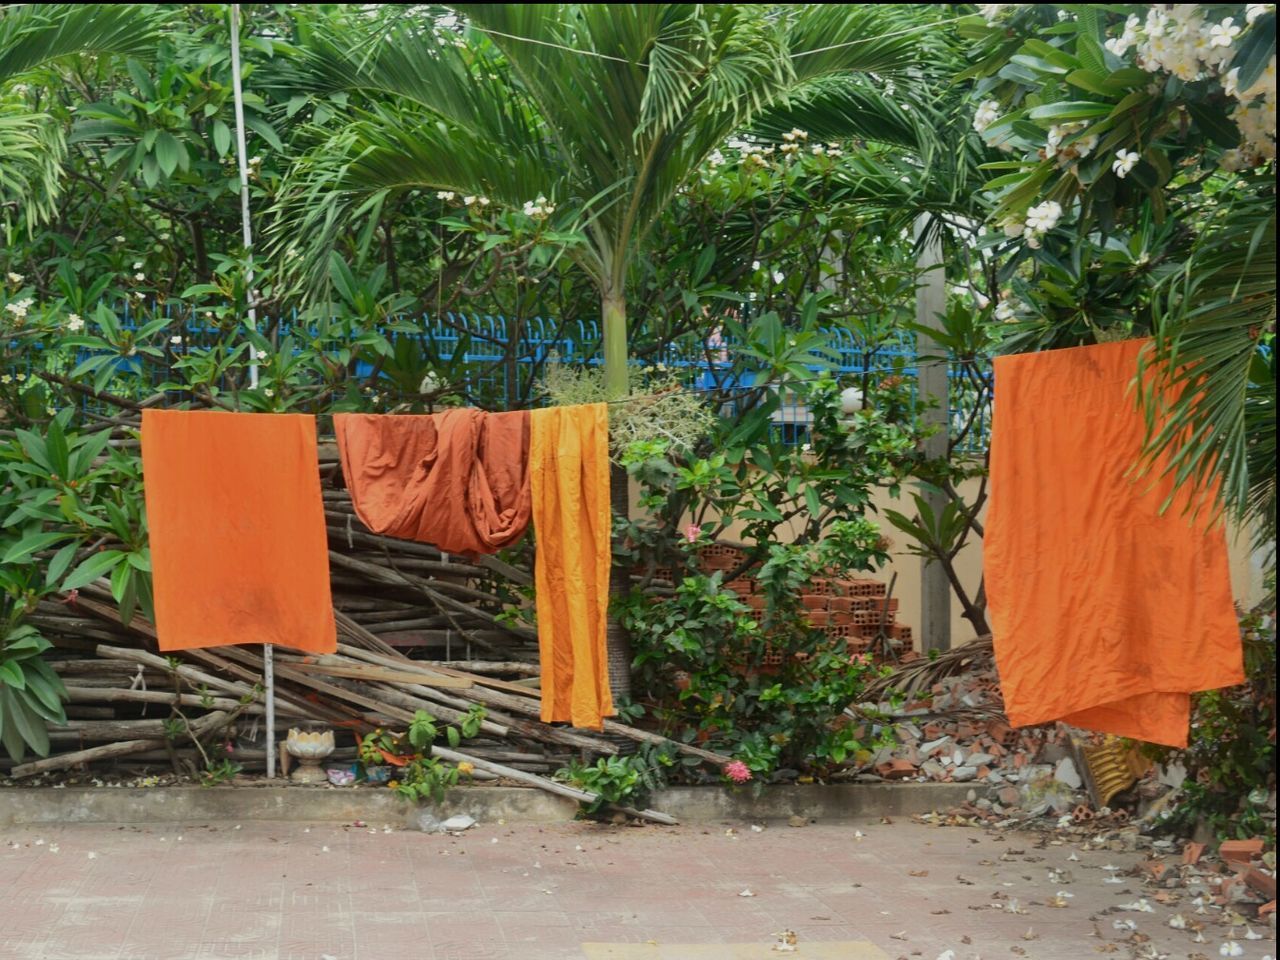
x=617, y=643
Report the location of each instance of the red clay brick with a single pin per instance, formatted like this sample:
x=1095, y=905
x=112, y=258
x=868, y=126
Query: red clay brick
x=1192, y=853
x=1261, y=882
x=1240, y=851
x=896, y=769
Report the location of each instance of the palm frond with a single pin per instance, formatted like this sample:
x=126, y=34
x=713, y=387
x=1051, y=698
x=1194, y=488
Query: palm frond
x=1210, y=405
x=33, y=149
x=32, y=35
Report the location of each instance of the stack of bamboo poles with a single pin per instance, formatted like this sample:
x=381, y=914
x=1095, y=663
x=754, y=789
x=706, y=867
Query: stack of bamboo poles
x=365, y=684
x=130, y=708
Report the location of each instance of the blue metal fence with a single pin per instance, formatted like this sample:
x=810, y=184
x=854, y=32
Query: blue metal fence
x=477, y=347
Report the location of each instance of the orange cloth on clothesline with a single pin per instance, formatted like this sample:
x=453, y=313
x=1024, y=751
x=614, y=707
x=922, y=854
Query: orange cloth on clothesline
x=569, y=453
x=239, y=551
x=470, y=482
x=458, y=479
x=1106, y=612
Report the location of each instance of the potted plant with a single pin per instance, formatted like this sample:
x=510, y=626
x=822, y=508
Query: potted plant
x=379, y=752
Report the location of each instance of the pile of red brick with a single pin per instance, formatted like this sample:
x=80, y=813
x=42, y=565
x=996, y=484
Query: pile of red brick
x=853, y=610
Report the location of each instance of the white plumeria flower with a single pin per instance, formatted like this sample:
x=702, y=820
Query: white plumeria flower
x=1043, y=217
x=1005, y=312
x=268, y=392
x=118, y=238
x=1231, y=949
x=778, y=276
x=1125, y=161
x=716, y=159
x=16, y=278
x=1178, y=922
x=1252, y=11
x=140, y=276
x=260, y=354
x=988, y=112
x=74, y=323
x=468, y=200
x=445, y=194
x=137, y=265
x=175, y=340
x=1223, y=34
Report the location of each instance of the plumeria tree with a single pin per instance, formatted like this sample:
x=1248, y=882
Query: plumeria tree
x=1138, y=196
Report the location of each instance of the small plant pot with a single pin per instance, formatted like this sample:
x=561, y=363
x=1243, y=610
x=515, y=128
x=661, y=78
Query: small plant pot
x=378, y=773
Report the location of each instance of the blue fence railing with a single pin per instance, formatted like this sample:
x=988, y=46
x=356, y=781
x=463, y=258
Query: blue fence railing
x=476, y=350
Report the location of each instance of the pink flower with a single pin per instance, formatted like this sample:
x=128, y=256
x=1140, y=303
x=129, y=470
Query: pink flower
x=692, y=532
x=737, y=771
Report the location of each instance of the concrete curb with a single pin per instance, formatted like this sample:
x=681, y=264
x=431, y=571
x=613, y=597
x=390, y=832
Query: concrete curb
x=269, y=802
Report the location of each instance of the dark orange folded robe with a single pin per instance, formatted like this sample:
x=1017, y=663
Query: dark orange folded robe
x=569, y=453
x=1106, y=612
x=239, y=552
x=458, y=479
x=469, y=482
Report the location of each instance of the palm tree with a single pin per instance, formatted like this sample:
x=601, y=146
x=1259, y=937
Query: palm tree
x=606, y=109
x=34, y=36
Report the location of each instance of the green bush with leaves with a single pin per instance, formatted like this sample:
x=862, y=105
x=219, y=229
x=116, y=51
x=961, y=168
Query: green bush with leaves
x=1231, y=759
x=708, y=670
x=624, y=780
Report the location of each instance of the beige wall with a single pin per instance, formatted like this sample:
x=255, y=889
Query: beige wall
x=1246, y=570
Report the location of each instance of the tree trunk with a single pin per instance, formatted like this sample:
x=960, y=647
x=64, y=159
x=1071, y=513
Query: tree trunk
x=618, y=644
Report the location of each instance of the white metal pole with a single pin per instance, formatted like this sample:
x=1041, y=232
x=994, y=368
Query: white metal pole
x=268, y=657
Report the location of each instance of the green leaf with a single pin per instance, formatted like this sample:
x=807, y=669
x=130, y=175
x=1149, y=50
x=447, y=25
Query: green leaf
x=221, y=138
x=166, y=151
x=11, y=675
x=1256, y=51
x=92, y=569
x=58, y=565
x=1215, y=124
x=25, y=547
x=264, y=130
x=1070, y=110
x=30, y=726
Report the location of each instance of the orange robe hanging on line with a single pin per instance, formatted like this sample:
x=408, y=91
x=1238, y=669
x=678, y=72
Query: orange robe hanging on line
x=1106, y=612
x=458, y=479
x=569, y=451
x=470, y=482
x=239, y=551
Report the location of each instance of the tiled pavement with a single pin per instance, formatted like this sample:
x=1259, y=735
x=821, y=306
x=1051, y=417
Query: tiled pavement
x=564, y=892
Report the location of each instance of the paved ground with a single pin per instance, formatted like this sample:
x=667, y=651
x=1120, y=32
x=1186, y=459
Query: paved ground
x=571, y=892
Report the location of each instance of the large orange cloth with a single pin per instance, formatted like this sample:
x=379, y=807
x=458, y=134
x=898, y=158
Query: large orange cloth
x=569, y=453
x=239, y=552
x=458, y=479
x=1106, y=612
